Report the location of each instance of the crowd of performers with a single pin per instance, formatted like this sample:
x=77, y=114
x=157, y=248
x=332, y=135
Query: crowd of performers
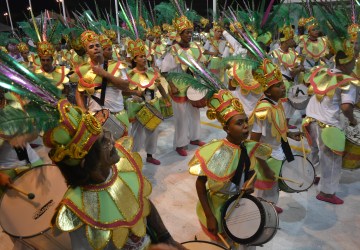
x=96, y=98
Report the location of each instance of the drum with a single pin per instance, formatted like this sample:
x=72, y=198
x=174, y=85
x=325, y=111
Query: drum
x=111, y=123
x=298, y=96
x=166, y=112
x=295, y=170
x=196, y=98
x=351, y=157
x=149, y=117
x=252, y=222
x=29, y=220
x=201, y=245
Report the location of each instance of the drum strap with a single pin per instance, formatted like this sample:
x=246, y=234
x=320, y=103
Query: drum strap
x=22, y=154
x=244, y=163
x=101, y=100
x=284, y=144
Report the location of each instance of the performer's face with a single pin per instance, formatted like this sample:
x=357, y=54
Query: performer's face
x=217, y=34
x=47, y=63
x=140, y=60
x=237, y=129
x=25, y=55
x=276, y=91
x=108, y=154
x=186, y=35
x=107, y=52
x=314, y=31
x=94, y=50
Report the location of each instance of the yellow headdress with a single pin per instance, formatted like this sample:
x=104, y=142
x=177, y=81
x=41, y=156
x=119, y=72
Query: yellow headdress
x=310, y=22
x=87, y=37
x=353, y=31
x=204, y=21
x=111, y=34
x=157, y=31
x=105, y=42
x=223, y=105
x=76, y=44
x=302, y=22
x=136, y=48
x=22, y=47
x=45, y=49
x=288, y=33
x=216, y=26
x=267, y=74
x=182, y=23
x=72, y=139
x=234, y=26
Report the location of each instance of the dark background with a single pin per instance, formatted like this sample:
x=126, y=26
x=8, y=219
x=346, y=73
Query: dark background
x=18, y=8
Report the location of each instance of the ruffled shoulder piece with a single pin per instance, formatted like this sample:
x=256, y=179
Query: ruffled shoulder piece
x=217, y=160
x=314, y=50
x=274, y=114
x=105, y=214
x=142, y=79
x=324, y=81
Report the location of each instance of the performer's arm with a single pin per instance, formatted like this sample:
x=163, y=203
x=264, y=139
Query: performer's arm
x=79, y=97
x=211, y=221
x=117, y=81
x=4, y=179
x=348, y=111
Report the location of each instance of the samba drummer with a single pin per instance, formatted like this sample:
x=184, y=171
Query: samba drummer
x=187, y=117
x=146, y=82
x=222, y=166
x=287, y=60
x=337, y=92
x=101, y=81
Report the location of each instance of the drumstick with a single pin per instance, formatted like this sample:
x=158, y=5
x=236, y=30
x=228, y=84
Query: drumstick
x=224, y=241
x=290, y=180
x=29, y=195
x=240, y=195
x=304, y=153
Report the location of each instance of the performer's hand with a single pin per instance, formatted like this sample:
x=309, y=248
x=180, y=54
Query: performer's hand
x=20, y=141
x=353, y=123
x=167, y=103
x=98, y=70
x=295, y=135
x=212, y=224
x=5, y=180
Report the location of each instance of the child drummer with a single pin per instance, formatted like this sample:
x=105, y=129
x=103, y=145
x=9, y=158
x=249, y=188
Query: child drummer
x=222, y=166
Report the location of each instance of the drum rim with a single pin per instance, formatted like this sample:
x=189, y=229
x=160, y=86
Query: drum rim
x=204, y=241
x=293, y=190
x=17, y=177
x=253, y=238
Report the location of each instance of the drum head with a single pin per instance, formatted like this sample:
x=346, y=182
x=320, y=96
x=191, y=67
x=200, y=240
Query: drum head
x=298, y=96
x=353, y=133
x=201, y=245
x=297, y=171
x=21, y=217
x=195, y=95
x=246, y=222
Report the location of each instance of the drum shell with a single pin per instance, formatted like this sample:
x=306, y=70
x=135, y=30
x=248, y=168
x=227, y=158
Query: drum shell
x=149, y=117
x=269, y=221
x=196, y=98
x=201, y=245
x=111, y=123
x=299, y=104
x=29, y=221
x=307, y=181
x=351, y=158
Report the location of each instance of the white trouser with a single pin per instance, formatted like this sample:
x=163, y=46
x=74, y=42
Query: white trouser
x=270, y=195
x=187, y=123
x=144, y=137
x=330, y=163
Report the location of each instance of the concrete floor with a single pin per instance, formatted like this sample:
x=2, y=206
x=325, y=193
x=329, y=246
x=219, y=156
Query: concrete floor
x=306, y=223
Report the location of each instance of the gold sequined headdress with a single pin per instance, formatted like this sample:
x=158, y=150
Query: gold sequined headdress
x=88, y=36
x=22, y=47
x=111, y=34
x=288, y=33
x=182, y=23
x=268, y=74
x=310, y=23
x=72, y=139
x=45, y=49
x=105, y=41
x=223, y=106
x=136, y=48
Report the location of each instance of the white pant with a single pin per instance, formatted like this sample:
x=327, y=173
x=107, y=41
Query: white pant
x=187, y=123
x=330, y=163
x=143, y=136
x=271, y=195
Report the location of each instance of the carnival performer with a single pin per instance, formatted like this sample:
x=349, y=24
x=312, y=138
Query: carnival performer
x=187, y=117
x=100, y=81
x=223, y=165
x=287, y=60
x=270, y=127
x=145, y=82
x=334, y=90
x=25, y=54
